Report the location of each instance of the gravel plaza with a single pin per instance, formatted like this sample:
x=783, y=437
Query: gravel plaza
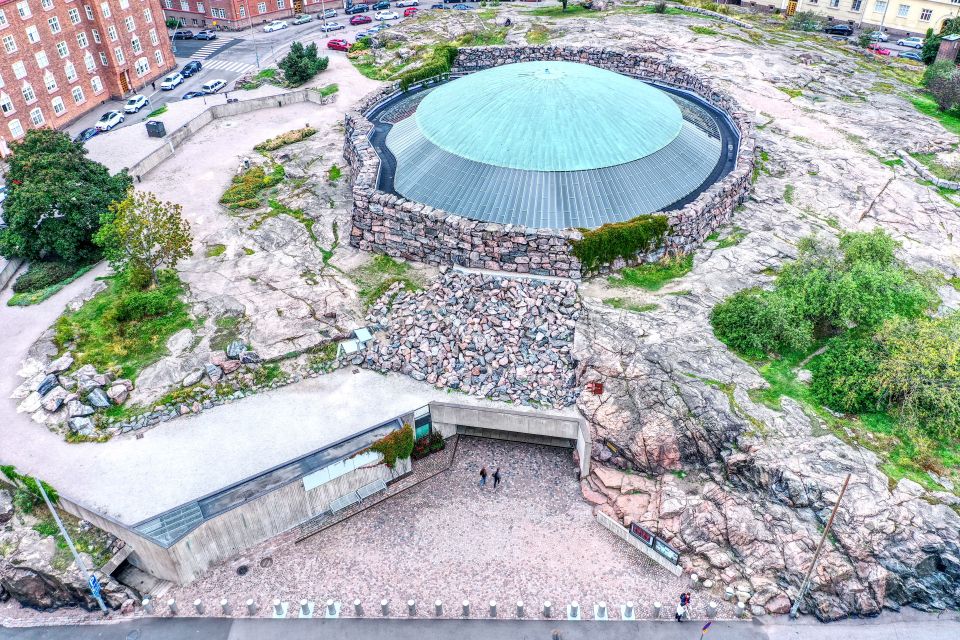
x=532, y=539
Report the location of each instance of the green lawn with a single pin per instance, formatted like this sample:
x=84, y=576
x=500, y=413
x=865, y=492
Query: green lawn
x=653, y=277
x=926, y=105
x=374, y=278
x=621, y=303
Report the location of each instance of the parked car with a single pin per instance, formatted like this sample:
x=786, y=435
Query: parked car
x=360, y=20
x=191, y=68
x=407, y=3
x=378, y=28
x=910, y=55
x=380, y=6
x=879, y=36
x=302, y=18
x=357, y=8
x=192, y=94
x=913, y=42
x=461, y=7
x=437, y=6
x=276, y=25
x=329, y=13
x=135, y=103
x=206, y=34
x=879, y=49
x=412, y=11
x=369, y=33
x=171, y=82
x=183, y=34
x=839, y=30
x=213, y=86
x=386, y=15
x=330, y=26
x=338, y=44
x=86, y=134
x=109, y=120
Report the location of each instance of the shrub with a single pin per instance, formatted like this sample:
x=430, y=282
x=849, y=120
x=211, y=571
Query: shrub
x=394, y=446
x=943, y=68
x=805, y=21
x=42, y=275
x=756, y=322
x=139, y=305
x=660, y=7
x=421, y=449
x=25, y=502
x=282, y=140
x=619, y=240
x=437, y=64
x=945, y=91
x=843, y=374
x=302, y=63
x=246, y=187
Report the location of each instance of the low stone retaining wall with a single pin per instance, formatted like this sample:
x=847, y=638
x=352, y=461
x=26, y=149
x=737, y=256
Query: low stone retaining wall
x=925, y=173
x=704, y=12
x=391, y=224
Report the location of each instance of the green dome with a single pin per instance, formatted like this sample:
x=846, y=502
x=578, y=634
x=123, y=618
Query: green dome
x=549, y=116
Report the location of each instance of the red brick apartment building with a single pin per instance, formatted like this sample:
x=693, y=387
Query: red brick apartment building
x=234, y=15
x=62, y=58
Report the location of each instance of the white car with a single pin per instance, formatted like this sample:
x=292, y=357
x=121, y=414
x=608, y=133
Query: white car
x=135, y=103
x=878, y=36
x=408, y=3
x=276, y=25
x=913, y=41
x=171, y=82
x=330, y=26
x=109, y=120
x=213, y=86
x=386, y=15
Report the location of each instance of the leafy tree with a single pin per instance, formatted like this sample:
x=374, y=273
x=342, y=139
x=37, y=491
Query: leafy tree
x=931, y=44
x=805, y=21
x=843, y=374
x=56, y=199
x=144, y=233
x=945, y=91
x=302, y=63
x=564, y=3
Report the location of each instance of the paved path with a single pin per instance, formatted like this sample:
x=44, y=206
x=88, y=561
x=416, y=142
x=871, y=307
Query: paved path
x=891, y=628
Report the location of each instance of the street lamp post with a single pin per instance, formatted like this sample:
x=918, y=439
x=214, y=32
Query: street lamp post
x=253, y=34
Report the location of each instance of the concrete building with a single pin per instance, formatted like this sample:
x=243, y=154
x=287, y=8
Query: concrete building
x=62, y=58
x=899, y=17
x=234, y=15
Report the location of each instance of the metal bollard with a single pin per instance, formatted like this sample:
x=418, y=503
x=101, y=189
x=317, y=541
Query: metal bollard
x=466, y=609
x=411, y=608
x=198, y=606
x=332, y=609
x=357, y=609
x=493, y=608
x=148, y=605
x=573, y=611
x=656, y=609
x=712, y=609
x=694, y=579
x=224, y=607
x=277, y=608
x=743, y=596
x=384, y=608
x=628, y=612
x=438, y=608
x=601, y=611
x=519, y=608
x=251, y=607
x=547, y=609
x=172, y=605
x=728, y=594
x=741, y=610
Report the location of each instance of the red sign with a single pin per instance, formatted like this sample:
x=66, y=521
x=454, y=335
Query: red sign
x=644, y=534
x=595, y=388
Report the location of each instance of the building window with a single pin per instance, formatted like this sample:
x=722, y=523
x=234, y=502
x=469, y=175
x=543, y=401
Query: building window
x=6, y=104
x=9, y=44
x=19, y=69
x=28, y=94
x=57, y=104
x=49, y=81
x=42, y=60
x=15, y=129
x=88, y=11
x=112, y=33
x=74, y=16
x=168, y=4
x=135, y=43
x=3, y=18
x=925, y=15
x=77, y=94
x=128, y=21
x=148, y=15
x=158, y=57
x=880, y=6
x=62, y=49
x=96, y=35
x=36, y=117
x=54, y=23
x=118, y=54
x=281, y=4
x=200, y=8
x=71, y=71
x=243, y=11
x=82, y=40
x=96, y=84
x=33, y=36
x=24, y=10
x=124, y=4
x=856, y=5
x=103, y=58
x=142, y=66
x=261, y=7
x=1, y=82
x=89, y=62
x=903, y=10
x=105, y=9
x=46, y=4
x=184, y=5
x=834, y=4
x=153, y=37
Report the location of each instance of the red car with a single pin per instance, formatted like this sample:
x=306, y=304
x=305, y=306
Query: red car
x=412, y=11
x=879, y=50
x=338, y=44
x=360, y=19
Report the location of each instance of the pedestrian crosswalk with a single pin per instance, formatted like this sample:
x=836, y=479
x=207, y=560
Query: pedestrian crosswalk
x=208, y=49
x=226, y=65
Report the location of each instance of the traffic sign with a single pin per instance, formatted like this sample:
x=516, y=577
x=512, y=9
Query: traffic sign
x=94, y=586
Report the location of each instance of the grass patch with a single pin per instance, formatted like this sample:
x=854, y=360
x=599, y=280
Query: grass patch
x=893, y=162
x=334, y=173
x=159, y=111
x=374, y=278
x=573, y=11
x=215, y=250
x=123, y=327
x=27, y=298
x=622, y=303
x=245, y=188
x=91, y=541
x=282, y=140
x=788, y=194
x=703, y=31
x=937, y=168
x=926, y=105
x=734, y=238
x=653, y=277
x=248, y=251
x=793, y=93
x=882, y=87
x=537, y=34
x=228, y=330
x=328, y=90
x=485, y=38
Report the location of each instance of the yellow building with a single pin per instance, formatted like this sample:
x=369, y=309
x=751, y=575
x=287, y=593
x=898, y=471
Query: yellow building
x=898, y=17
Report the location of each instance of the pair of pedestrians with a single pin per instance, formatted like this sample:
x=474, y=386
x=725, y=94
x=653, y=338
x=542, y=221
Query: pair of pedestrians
x=682, y=607
x=483, y=477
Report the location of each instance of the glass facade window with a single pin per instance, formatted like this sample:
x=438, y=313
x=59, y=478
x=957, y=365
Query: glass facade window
x=925, y=15
x=903, y=10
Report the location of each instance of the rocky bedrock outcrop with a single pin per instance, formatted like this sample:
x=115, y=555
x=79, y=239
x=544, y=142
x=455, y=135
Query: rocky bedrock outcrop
x=743, y=491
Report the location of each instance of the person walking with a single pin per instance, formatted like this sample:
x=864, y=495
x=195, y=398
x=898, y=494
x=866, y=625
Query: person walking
x=496, y=478
x=154, y=85
x=681, y=612
x=483, y=476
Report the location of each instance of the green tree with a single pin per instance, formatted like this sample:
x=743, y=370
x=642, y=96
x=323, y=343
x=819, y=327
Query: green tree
x=145, y=234
x=56, y=199
x=755, y=322
x=932, y=42
x=302, y=63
